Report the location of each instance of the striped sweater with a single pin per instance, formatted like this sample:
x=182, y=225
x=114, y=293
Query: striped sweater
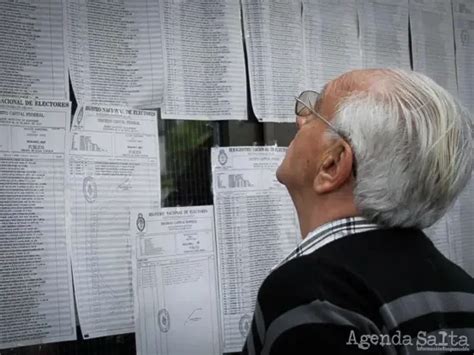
x=386, y=291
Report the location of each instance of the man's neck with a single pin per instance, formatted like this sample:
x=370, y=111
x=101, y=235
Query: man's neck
x=312, y=214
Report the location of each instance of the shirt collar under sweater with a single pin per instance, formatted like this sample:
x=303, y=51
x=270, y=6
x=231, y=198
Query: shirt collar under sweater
x=330, y=232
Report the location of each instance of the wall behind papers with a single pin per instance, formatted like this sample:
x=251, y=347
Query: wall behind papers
x=185, y=144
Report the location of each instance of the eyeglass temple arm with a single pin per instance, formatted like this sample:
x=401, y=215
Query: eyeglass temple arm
x=318, y=115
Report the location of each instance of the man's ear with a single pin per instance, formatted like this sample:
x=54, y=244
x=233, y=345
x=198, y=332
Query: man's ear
x=335, y=169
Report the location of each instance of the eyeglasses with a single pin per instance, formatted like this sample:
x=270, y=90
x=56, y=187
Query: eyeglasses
x=304, y=107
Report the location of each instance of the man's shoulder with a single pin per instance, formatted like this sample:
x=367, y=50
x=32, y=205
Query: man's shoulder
x=323, y=266
x=300, y=270
x=310, y=278
x=310, y=302
x=406, y=256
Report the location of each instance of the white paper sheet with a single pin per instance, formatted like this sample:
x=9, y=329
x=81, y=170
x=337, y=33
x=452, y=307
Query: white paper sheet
x=256, y=227
x=331, y=40
x=36, y=298
x=464, y=38
x=452, y=234
x=204, y=60
x=113, y=168
x=32, y=58
x=275, y=49
x=115, y=52
x=175, y=281
x=432, y=39
x=438, y=234
x=384, y=33
x=461, y=229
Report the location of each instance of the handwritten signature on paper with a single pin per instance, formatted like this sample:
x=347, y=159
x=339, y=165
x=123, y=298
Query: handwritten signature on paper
x=195, y=316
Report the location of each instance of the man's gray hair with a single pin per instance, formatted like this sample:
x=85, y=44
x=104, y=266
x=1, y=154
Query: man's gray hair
x=413, y=146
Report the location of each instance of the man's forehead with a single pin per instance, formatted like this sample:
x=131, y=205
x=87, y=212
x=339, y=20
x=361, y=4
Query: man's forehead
x=331, y=94
x=336, y=90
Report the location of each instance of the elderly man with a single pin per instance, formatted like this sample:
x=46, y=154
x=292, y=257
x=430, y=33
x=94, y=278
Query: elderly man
x=379, y=155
